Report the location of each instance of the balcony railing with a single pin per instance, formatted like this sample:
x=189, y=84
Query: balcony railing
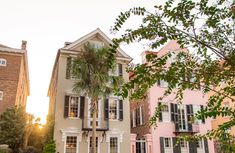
x=101, y=124
x=194, y=128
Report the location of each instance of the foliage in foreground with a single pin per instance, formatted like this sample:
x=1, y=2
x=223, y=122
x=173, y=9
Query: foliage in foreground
x=12, y=127
x=206, y=29
x=49, y=147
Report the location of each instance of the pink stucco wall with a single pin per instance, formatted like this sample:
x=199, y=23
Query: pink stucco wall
x=165, y=129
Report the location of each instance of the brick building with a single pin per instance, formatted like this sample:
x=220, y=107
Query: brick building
x=14, y=78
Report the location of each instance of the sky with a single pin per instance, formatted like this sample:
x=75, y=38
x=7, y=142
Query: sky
x=47, y=24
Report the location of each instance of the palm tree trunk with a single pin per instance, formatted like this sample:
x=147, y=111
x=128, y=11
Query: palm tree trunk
x=94, y=111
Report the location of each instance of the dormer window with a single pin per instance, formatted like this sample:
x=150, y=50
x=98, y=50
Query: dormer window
x=3, y=62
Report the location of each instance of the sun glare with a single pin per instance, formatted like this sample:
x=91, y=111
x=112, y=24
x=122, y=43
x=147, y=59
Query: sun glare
x=38, y=109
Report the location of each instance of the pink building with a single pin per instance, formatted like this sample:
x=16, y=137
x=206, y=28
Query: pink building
x=174, y=119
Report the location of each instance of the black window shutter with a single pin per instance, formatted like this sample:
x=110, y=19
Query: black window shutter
x=189, y=117
x=206, y=146
x=66, y=106
x=120, y=69
x=120, y=110
x=176, y=146
x=106, y=109
x=192, y=147
x=160, y=114
x=82, y=104
x=203, y=119
x=172, y=112
x=162, y=144
x=68, y=68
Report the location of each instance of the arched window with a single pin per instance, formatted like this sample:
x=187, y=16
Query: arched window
x=3, y=62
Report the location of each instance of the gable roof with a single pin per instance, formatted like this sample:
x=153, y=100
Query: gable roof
x=92, y=34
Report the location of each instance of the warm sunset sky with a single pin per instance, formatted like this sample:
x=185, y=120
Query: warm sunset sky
x=47, y=24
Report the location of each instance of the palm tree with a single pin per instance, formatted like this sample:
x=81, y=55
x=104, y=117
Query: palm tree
x=91, y=73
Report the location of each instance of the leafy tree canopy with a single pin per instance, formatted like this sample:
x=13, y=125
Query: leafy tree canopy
x=12, y=127
x=206, y=28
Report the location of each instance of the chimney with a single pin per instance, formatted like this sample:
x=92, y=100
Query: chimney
x=67, y=43
x=24, y=45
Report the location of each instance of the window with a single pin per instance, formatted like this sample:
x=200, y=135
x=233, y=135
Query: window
x=3, y=62
x=71, y=144
x=182, y=118
x=134, y=117
x=167, y=142
x=1, y=95
x=183, y=143
x=196, y=108
x=138, y=116
x=96, y=144
x=199, y=144
x=165, y=113
x=113, y=109
x=113, y=145
x=73, y=106
x=96, y=44
x=140, y=146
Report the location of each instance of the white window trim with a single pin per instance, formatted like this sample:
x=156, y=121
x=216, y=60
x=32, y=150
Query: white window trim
x=171, y=143
x=118, y=143
x=1, y=95
x=2, y=59
x=88, y=140
x=115, y=133
x=141, y=115
x=166, y=113
x=89, y=112
x=134, y=117
x=78, y=107
x=71, y=132
x=117, y=105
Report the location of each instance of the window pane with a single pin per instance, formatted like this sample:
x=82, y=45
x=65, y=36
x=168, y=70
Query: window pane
x=113, y=109
x=96, y=144
x=71, y=144
x=73, y=106
x=113, y=145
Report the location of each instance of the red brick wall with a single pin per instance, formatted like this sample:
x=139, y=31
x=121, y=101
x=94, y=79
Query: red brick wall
x=141, y=130
x=9, y=76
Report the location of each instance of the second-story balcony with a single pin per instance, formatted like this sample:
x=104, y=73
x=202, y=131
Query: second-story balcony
x=190, y=128
x=101, y=124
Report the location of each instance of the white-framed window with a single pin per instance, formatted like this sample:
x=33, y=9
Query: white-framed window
x=167, y=142
x=71, y=144
x=1, y=95
x=96, y=44
x=139, y=116
x=199, y=144
x=196, y=109
x=113, y=145
x=96, y=144
x=165, y=113
x=3, y=62
x=134, y=117
x=98, y=115
x=182, y=118
x=74, y=106
x=141, y=146
x=113, y=109
x=183, y=143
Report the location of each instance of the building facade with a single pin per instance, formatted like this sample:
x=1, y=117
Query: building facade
x=174, y=119
x=71, y=111
x=14, y=77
